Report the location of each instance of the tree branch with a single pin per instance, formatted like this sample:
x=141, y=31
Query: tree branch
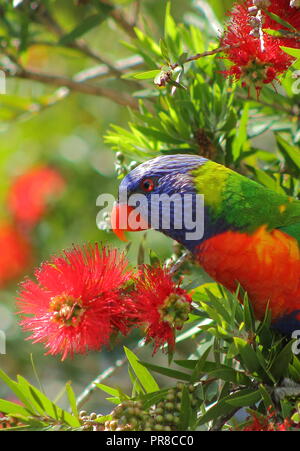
x=102, y=72
x=120, y=19
x=120, y=98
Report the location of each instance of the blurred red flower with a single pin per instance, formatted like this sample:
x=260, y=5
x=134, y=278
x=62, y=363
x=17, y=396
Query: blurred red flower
x=161, y=305
x=15, y=255
x=77, y=303
x=30, y=193
x=254, y=60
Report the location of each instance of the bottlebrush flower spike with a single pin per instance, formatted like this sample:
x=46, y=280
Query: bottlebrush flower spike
x=76, y=303
x=258, y=422
x=162, y=306
x=15, y=254
x=29, y=195
x=256, y=56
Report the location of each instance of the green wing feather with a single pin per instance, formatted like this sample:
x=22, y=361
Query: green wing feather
x=292, y=230
x=245, y=204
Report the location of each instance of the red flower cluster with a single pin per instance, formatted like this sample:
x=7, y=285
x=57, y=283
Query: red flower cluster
x=255, y=55
x=30, y=193
x=82, y=298
x=76, y=302
x=258, y=422
x=161, y=305
x=15, y=253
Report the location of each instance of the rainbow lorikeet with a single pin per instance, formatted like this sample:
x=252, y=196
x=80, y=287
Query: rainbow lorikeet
x=251, y=234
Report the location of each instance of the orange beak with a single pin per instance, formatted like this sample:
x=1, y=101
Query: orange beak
x=120, y=221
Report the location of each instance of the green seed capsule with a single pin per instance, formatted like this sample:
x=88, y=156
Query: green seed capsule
x=159, y=419
x=120, y=156
x=169, y=406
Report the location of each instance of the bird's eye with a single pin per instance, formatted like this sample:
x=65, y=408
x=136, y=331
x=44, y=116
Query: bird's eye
x=147, y=185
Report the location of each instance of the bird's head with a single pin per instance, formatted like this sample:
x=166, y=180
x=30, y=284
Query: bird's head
x=158, y=194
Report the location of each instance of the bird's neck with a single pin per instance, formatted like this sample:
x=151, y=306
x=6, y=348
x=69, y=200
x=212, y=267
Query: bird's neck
x=210, y=227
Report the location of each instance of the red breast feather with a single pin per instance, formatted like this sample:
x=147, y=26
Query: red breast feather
x=266, y=264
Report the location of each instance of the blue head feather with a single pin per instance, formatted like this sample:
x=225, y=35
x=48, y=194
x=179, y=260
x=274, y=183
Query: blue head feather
x=172, y=175
x=168, y=169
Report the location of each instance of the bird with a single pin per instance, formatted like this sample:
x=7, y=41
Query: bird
x=250, y=237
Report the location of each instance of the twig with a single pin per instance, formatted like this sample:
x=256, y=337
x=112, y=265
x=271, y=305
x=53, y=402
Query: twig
x=136, y=12
x=88, y=391
x=118, y=17
x=207, y=53
x=123, y=99
x=180, y=262
x=98, y=72
x=101, y=72
x=223, y=420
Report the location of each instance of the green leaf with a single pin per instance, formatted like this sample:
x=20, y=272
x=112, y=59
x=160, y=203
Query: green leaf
x=186, y=410
x=143, y=375
x=72, y=399
x=103, y=419
x=249, y=357
x=279, y=20
x=266, y=396
x=20, y=393
x=291, y=51
x=272, y=32
x=141, y=251
x=111, y=391
x=229, y=375
x=265, y=179
x=290, y=152
x=198, y=370
x=245, y=400
x=13, y=409
x=241, y=135
x=280, y=366
x=153, y=398
x=167, y=371
x=171, y=33
x=249, y=315
x=137, y=388
x=86, y=25
x=143, y=75
x=164, y=50
x=45, y=406
x=223, y=407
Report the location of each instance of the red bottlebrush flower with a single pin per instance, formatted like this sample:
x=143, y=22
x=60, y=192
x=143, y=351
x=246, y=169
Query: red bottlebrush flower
x=15, y=254
x=30, y=193
x=259, y=422
x=161, y=305
x=259, y=60
x=76, y=303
